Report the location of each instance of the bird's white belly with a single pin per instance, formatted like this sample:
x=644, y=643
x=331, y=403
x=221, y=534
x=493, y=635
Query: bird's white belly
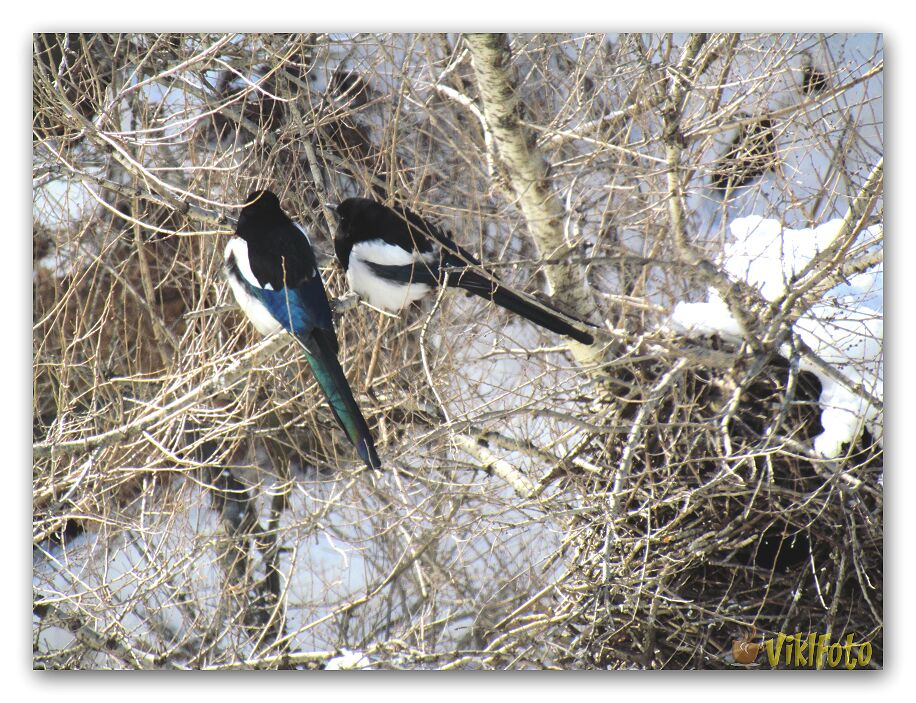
x=377, y=291
x=254, y=309
x=263, y=321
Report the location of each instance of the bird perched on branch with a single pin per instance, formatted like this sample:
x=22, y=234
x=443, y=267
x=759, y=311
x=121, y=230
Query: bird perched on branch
x=393, y=257
x=274, y=276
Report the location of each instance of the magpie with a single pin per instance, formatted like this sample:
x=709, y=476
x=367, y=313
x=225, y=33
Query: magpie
x=393, y=257
x=274, y=276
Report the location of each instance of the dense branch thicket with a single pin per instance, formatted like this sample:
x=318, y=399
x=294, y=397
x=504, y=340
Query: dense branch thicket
x=638, y=504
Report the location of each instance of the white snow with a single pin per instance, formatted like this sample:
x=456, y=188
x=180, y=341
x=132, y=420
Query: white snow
x=126, y=576
x=845, y=329
x=348, y=660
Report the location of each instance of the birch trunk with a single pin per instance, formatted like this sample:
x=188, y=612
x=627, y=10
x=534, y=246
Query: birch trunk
x=527, y=171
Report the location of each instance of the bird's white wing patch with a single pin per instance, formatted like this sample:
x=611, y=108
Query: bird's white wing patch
x=237, y=252
x=237, y=248
x=380, y=252
x=388, y=295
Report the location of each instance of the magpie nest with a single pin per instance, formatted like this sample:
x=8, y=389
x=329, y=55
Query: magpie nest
x=717, y=524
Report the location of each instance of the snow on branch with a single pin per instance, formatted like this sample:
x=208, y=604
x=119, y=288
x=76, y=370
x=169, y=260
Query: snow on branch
x=840, y=338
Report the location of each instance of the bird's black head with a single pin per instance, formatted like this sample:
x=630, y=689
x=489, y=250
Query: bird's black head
x=262, y=201
x=362, y=219
x=358, y=215
x=357, y=221
x=261, y=209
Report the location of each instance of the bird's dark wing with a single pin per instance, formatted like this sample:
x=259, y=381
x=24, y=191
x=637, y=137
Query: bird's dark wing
x=286, y=261
x=422, y=230
x=299, y=310
x=305, y=312
x=418, y=272
x=457, y=269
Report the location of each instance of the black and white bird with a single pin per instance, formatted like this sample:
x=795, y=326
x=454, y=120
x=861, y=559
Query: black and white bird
x=275, y=279
x=393, y=257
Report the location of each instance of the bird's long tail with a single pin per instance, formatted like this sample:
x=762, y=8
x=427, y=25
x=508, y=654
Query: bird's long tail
x=321, y=354
x=465, y=278
x=539, y=313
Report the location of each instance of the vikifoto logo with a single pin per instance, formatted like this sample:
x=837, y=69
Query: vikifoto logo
x=804, y=651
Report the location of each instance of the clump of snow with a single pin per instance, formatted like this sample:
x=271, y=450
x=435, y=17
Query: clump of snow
x=845, y=329
x=347, y=660
x=704, y=319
